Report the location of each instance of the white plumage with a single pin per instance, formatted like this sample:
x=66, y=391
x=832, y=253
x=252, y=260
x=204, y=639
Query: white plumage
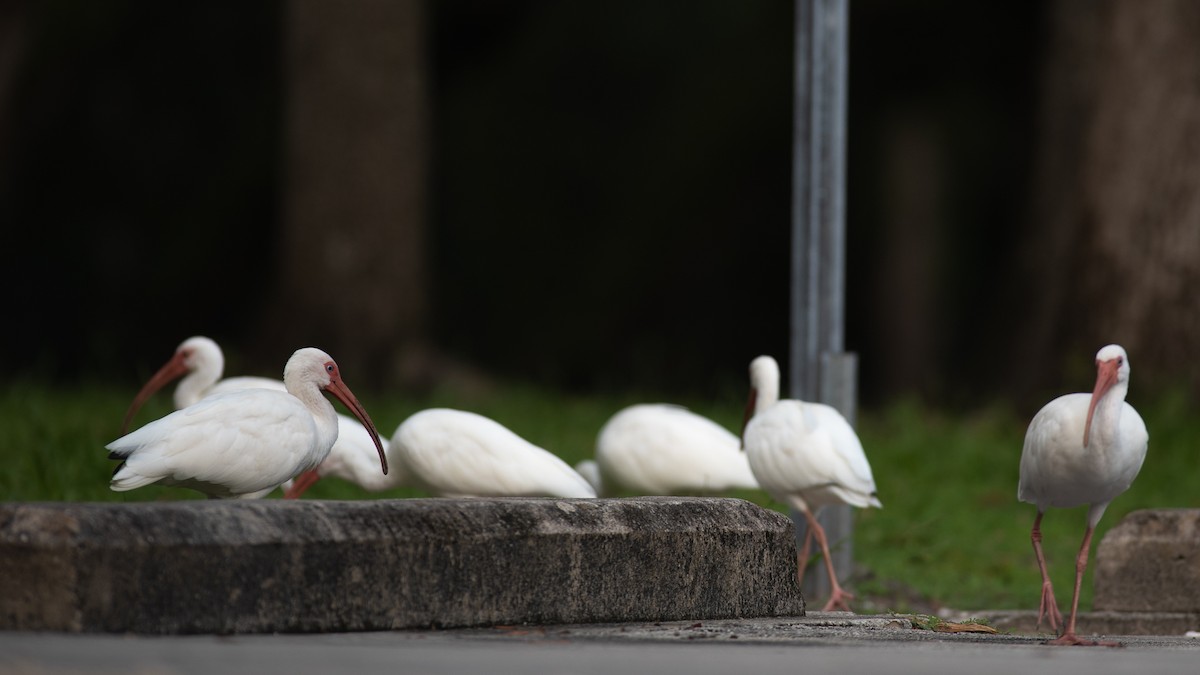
x=245, y=443
x=664, y=449
x=1081, y=449
x=807, y=456
x=458, y=453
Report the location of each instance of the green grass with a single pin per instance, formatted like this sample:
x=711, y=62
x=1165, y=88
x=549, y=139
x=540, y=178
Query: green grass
x=951, y=527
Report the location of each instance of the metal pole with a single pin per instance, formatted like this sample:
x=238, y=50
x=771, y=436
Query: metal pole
x=819, y=370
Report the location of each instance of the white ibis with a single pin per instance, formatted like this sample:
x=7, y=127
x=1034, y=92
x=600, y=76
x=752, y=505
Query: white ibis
x=201, y=361
x=245, y=443
x=664, y=449
x=455, y=453
x=1081, y=449
x=807, y=456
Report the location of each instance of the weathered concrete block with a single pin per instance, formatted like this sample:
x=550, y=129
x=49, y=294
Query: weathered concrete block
x=310, y=565
x=1150, y=562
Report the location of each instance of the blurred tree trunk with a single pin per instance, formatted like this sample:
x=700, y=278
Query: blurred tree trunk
x=907, y=250
x=1113, y=246
x=352, y=275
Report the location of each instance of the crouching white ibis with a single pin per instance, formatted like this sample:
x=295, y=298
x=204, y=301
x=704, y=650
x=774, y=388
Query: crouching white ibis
x=456, y=453
x=664, y=449
x=244, y=443
x=1081, y=449
x=807, y=456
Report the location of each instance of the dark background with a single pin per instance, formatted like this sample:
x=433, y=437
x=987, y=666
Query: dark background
x=605, y=194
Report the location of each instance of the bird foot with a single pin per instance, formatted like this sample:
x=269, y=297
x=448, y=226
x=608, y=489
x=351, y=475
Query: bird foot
x=1048, y=609
x=837, y=601
x=1073, y=640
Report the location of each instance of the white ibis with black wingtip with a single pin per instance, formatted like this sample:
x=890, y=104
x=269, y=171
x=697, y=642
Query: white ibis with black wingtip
x=245, y=443
x=200, y=361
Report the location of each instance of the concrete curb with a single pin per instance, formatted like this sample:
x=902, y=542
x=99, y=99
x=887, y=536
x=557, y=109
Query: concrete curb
x=308, y=565
x=1100, y=623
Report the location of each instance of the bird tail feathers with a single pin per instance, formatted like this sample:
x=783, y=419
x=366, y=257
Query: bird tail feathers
x=125, y=479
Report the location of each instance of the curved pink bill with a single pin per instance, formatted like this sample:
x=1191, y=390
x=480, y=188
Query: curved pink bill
x=1106, y=377
x=343, y=394
x=301, y=484
x=171, y=370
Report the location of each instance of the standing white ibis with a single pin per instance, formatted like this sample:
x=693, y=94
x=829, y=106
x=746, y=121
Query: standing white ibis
x=201, y=361
x=664, y=449
x=1081, y=449
x=807, y=456
x=456, y=453
x=245, y=443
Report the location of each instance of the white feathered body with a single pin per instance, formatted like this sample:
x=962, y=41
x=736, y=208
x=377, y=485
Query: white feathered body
x=463, y=454
x=1058, y=471
x=808, y=451
x=663, y=449
x=238, y=444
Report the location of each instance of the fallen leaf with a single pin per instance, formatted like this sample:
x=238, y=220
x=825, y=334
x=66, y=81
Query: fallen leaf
x=951, y=627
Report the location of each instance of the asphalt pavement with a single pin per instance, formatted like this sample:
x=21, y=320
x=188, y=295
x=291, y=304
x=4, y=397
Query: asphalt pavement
x=819, y=642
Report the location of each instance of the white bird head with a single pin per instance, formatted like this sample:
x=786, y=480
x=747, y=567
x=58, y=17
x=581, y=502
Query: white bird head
x=764, y=384
x=1112, y=369
x=200, y=352
x=764, y=387
x=311, y=368
x=196, y=354
x=1114, y=357
x=590, y=471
